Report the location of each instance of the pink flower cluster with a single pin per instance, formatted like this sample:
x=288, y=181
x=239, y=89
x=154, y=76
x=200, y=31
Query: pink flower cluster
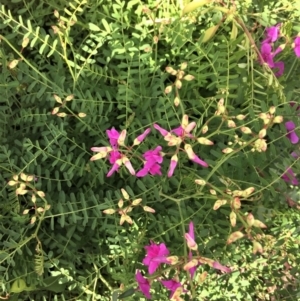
x=289, y=176
x=267, y=52
x=158, y=254
x=266, y=49
x=152, y=158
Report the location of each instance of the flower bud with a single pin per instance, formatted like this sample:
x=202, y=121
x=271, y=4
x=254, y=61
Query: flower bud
x=231, y=124
x=148, y=209
x=278, y=119
x=178, y=84
x=200, y=182
x=109, y=211
x=272, y=110
x=250, y=219
x=125, y=194
x=191, y=264
x=234, y=237
x=262, y=133
x=122, y=137
x=173, y=259
x=240, y=117
x=189, y=77
x=246, y=130
x=204, y=141
x=204, y=129
x=136, y=202
x=176, y=101
x=257, y=247
x=219, y=203
x=232, y=218
x=168, y=89
x=259, y=224
x=227, y=150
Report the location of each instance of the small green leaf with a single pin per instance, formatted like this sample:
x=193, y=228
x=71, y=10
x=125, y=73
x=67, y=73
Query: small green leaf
x=93, y=27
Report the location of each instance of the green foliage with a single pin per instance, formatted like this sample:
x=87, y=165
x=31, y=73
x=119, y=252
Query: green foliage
x=72, y=70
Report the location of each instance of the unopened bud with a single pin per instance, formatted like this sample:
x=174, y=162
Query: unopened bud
x=148, y=209
x=120, y=203
x=109, y=211
x=257, y=247
x=125, y=194
x=176, y=101
x=250, y=219
x=61, y=114
x=168, y=89
x=178, y=84
x=262, y=133
x=272, y=110
x=231, y=124
x=136, y=202
x=189, y=77
x=219, y=203
x=172, y=260
x=232, y=217
x=227, y=150
x=234, y=237
x=205, y=141
x=240, y=117
x=246, y=130
x=183, y=66
x=122, y=137
x=259, y=224
x=278, y=119
x=200, y=182
x=191, y=264
x=204, y=129
x=236, y=203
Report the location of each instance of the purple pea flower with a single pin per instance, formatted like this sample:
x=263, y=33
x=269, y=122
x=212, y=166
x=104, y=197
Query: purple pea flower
x=216, y=265
x=190, y=239
x=266, y=53
x=290, y=127
x=141, y=137
x=171, y=285
x=272, y=34
x=153, y=159
x=290, y=177
x=173, y=165
x=143, y=284
x=156, y=254
x=113, y=136
x=297, y=46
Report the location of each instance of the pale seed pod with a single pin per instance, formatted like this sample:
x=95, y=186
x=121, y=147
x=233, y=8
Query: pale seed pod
x=234, y=237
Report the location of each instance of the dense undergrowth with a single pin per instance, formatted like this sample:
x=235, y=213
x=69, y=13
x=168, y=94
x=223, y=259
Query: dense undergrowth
x=70, y=71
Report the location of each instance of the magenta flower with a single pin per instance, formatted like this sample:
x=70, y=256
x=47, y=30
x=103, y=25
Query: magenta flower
x=156, y=254
x=297, y=46
x=153, y=159
x=144, y=284
x=162, y=131
x=141, y=137
x=268, y=57
x=171, y=285
x=190, y=239
x=113, y=136
x=114, y=156
x=218, y=266
x=266, y=53
x=290, y=177
x=290, y=127
x=280, y=67
x=192, y=156
x=173, y=165
x=272, y=34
